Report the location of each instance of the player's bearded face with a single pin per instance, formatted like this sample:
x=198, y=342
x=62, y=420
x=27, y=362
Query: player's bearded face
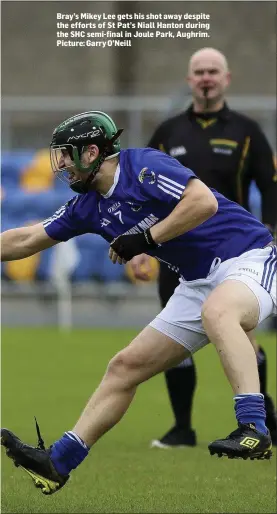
x=65, y=168
x=73, y=168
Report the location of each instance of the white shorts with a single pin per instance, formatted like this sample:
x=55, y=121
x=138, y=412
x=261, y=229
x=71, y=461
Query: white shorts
x=181, y=317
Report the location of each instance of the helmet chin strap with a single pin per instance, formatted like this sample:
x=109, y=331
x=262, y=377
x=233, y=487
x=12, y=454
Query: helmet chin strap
x=78, y=187
x=83, y=187
x=111, y=156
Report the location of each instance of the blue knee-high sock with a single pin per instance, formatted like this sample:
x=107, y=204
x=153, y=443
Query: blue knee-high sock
x=250, y=408
x=68, y=452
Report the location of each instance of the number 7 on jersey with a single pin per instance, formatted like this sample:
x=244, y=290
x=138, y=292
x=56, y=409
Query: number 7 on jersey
x=119, y=214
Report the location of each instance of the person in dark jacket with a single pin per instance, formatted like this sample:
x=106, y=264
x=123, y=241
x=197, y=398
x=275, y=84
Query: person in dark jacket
x=227, y=151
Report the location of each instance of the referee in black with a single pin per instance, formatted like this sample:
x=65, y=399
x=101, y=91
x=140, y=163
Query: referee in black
x=227, y=151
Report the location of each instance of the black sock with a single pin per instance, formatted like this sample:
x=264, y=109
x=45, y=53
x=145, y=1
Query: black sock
x=262, y=369
x=181, y=384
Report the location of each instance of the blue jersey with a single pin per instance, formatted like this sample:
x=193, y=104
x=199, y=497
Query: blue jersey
x=147, y=186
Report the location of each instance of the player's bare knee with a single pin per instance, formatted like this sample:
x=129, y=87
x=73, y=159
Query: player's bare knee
x=217, y=314
x=117, y=365
x=213, y=314
x=125, y=368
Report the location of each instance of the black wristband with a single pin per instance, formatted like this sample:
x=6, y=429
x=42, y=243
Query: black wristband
x=149, y=239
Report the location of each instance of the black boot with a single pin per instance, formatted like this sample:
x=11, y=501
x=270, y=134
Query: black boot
x=245, y=442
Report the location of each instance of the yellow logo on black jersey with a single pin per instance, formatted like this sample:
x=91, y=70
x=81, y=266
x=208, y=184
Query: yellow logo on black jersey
x=206, y=123
x=224, y=142
x=223, y=146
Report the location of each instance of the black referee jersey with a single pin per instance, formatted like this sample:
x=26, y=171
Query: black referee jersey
x=226, y=150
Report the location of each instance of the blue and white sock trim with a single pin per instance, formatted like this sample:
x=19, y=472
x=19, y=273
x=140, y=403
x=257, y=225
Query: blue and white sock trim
x=239, y=396
x=76, y=438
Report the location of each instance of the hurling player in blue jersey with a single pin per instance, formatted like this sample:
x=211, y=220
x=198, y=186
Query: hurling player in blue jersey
x=144, y=201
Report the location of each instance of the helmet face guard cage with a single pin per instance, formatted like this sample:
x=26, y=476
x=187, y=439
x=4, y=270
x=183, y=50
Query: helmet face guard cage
x=57, y=155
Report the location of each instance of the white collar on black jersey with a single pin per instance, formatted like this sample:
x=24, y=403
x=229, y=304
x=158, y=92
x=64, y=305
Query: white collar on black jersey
x=115, y=182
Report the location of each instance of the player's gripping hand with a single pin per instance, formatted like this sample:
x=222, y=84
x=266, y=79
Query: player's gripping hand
x=141, y=268
x=124, y=248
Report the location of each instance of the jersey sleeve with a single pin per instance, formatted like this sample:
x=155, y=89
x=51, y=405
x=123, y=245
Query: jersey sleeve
x=162, y=177
x=63, y=224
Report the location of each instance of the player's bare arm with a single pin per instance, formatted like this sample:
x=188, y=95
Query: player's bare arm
x=197, y=205
x=19, y=243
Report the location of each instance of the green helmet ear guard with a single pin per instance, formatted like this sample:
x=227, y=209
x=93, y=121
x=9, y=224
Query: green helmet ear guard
x=112, y=147
x=110, y=128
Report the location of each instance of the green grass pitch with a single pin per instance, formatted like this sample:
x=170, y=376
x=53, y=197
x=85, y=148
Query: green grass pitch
x=51, y=376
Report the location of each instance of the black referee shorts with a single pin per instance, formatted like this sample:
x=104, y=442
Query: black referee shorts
x=167, y=282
